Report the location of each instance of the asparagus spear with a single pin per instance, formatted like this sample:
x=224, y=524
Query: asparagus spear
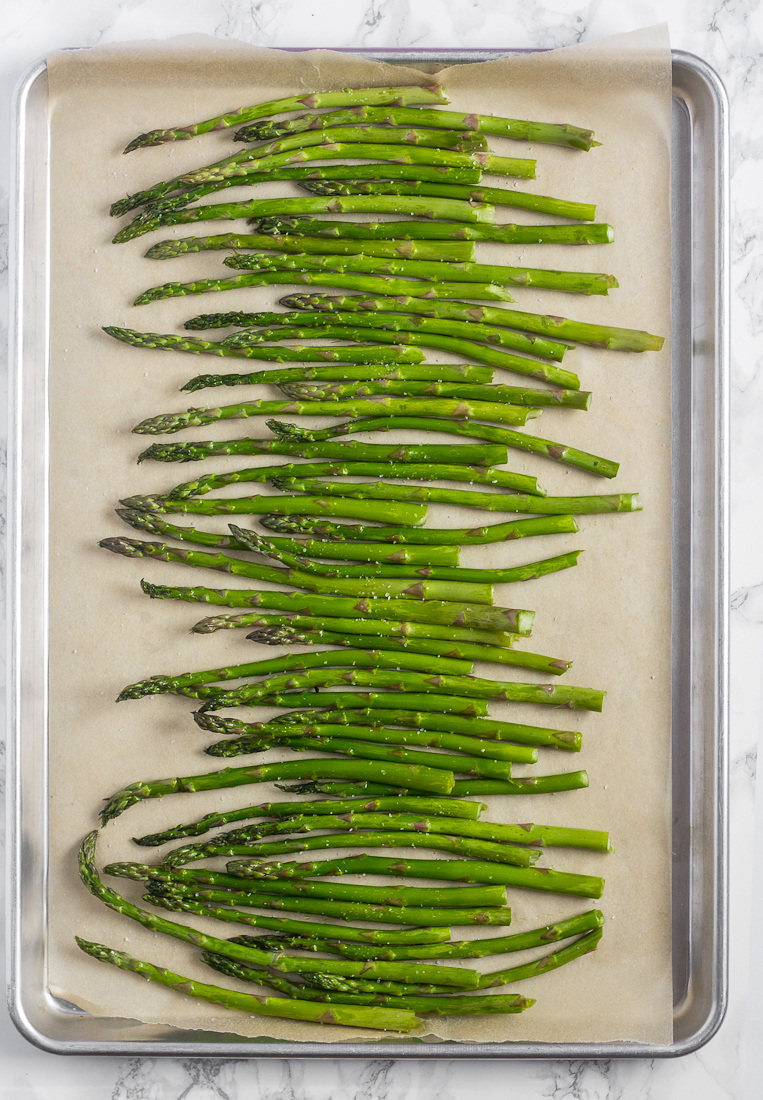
x=385, y=1019
x=411, y=250
x=347, y=97
x=490, y=502
x=574, y=282
x=159, y=685
x=404, y=804
x=586, y=943
x=422, y=471
x=519, y=129
x=470, y=330
x=471, y=454
x=283, y=505
x=273, y=635
x=461, y=870
x=500, y=394
x=356, y=131
x=345, y=551
x=501, y=619
x=558, y=328
x=473, y=536
x=569, y=456
x=506, y=233
x=426, y=372
x=377, y=587
x=167, y=423
x=375, y=353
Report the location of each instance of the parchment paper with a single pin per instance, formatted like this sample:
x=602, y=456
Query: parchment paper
x=611, y=615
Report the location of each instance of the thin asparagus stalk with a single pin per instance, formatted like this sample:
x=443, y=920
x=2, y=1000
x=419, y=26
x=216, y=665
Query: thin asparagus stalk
x=586, y=943
x=332, y=984
x=159, y=685
x=409, y=250
x=167, y=423
x=401, y=803
x=375, y=353
x=541, y=784
x=421, y=471
x=424, y=372
x=435, y=780
x=569, y=456
x=490, y=502
x=471, y=454
x=506, y=233
x=385, y=1019
x=486, y=728
x=557, y=328
x=552, y=666
x=346, y=910
x=519, y=129
x=184, y=883
x=502, y=619
x=278, y=961
x=497, y=196
x=354, y=700
x=358, y=131
x=267, y=627
x=347, y=97
x=452, y=870
x=573, y=282
x=469, y=330
x=473, y=536
x=501, y=394
x=375, y=587
x=283, y=505
x=344, y=551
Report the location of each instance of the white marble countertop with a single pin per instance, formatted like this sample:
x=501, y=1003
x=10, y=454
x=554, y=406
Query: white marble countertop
x=728, y=34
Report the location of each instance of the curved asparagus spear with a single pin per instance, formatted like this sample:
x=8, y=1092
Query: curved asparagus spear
x=375, y=353
x=469, y=330
x=482, y=617
x=490, y=502
x=471, y=454
x=411, y=250
x=574, y=282
x=377, y=587
x=451, y=807
x=569, y=456
x=385, y=1019
x=422, y=471
x=586, y=943
x=558, y=328
x=573, y=137
x=472, y=536
x=315, y=548
x=345, y=98
x=448, y=870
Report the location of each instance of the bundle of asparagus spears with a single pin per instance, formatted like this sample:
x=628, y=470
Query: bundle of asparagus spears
x=388, y=699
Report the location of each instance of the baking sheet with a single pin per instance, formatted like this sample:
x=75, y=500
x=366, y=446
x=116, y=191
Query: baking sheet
x=611, y=614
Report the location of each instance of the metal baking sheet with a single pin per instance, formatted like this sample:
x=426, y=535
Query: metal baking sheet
x=699, y=536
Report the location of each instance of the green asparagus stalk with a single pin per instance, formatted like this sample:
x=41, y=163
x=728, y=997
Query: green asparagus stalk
x=485, y=728
x=469, y=330
x=361, y=132
x=490, y=502
x=385, y=1019
x=346, y=910
x=159, y=685
x=409, y=250
x=375, y=353
x=471, y=454
x=347, y=97
x=435, y=780
x=449, y=870
x=273, y=635
x=345, y=551
x=473, y=536
x=506, y=233
x=482, y=617
x=167, y=423
x=519, y=129
x=425, y=372
x=401, y=803
x=574, y=282
x=568, y=456
x=422, y=471
x=586, y=943
x=500, y=394
x=375, y=587
x=557, y=328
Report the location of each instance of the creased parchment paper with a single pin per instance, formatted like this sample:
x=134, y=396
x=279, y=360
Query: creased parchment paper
x=611, y=615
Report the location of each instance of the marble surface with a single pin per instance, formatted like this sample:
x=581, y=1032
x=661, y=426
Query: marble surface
x=729, y=34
